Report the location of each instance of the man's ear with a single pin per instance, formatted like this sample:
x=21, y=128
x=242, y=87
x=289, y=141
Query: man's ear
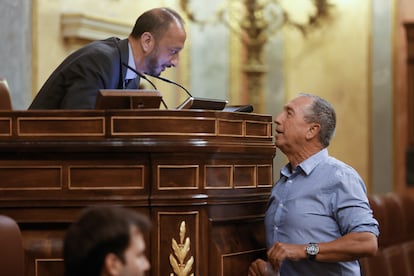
x=112, y=265
x=313, y=131
x=147, y=42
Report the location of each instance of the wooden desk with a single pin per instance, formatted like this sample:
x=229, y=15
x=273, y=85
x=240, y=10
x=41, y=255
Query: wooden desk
x=211, y=171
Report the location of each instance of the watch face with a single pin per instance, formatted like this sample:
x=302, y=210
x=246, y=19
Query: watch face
x=312, y=249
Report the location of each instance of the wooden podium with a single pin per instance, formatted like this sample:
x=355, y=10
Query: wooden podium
x=201, y=175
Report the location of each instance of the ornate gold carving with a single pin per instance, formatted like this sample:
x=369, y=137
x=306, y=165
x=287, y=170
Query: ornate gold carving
x=180, y=267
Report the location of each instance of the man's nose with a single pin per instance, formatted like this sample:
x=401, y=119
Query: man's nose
x=174, y=61
x=277, y=119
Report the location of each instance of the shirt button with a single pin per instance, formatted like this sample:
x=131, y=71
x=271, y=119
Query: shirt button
x=289, y=181
x=280, y=204
x=276, y=228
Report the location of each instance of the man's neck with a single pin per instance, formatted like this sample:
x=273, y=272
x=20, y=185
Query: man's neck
x=297, y=157
x=136, y=53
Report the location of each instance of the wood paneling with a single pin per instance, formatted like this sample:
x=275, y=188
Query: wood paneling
x=203, y=175
x=409, y=153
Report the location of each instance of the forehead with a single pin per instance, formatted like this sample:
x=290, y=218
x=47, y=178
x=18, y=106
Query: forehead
x=175, y=36
x=300, y=103
x=137, y=242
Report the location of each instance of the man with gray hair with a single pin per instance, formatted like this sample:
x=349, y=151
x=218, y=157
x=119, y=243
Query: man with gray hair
x=318, y=220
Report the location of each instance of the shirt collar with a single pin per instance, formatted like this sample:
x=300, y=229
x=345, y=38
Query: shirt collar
x=307, y=165
x=130, y=74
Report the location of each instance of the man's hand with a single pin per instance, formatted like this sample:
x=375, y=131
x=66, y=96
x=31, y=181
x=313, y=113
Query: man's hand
x=281, y=251
x=257, y=268
x=261, y=268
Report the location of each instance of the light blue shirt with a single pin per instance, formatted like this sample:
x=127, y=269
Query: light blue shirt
x=321, y=200
x=131, y=63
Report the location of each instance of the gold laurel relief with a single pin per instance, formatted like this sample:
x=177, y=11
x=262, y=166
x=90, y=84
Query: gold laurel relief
x=177, y=260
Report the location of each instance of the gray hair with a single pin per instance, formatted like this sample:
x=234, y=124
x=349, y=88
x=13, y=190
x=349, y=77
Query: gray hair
x=321, y=112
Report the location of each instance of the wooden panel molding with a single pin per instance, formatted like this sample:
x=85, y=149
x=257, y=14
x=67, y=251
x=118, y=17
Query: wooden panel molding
x=125, y=125
x=49, y=267
x=218, y=176
x=258, y=129
x=53, y=126
x=264, y=176
x=201, y=175
x=105, y=177
x=21, y=178
x=177, y=177
x=5, y=127
x=245, y=176
x=231, y=128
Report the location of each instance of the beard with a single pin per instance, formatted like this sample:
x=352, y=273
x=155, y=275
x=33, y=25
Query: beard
x=152, y=63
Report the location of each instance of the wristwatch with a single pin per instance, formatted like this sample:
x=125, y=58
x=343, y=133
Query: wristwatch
x=312, y=249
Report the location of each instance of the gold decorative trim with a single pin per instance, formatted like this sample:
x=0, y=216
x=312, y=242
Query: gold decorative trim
x=188, y=215
x=181, y=250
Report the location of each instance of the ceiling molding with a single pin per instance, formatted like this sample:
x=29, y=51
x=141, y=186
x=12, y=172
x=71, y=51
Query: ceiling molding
x=84, y=27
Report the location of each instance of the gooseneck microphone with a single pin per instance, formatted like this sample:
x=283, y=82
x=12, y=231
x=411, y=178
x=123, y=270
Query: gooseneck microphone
x=139, y=74
x=145, y=78
x=196, y=103
x=177, y=84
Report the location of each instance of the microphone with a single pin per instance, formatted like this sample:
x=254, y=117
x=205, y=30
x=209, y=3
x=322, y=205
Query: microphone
x=145, y=78
x=196, y=103
x=177, y=84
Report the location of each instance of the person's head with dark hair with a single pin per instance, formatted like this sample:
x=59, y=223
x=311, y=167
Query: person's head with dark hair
x=156, y=21
x=106, y=240
x=156, y=40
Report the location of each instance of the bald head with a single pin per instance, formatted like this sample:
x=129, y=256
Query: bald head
x=156, y=21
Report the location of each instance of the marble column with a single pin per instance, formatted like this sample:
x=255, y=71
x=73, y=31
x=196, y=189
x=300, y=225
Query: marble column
x=16, y=50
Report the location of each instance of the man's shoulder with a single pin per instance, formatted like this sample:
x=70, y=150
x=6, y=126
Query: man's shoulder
x=108, y=44
x=107, y=49
x=339, y=168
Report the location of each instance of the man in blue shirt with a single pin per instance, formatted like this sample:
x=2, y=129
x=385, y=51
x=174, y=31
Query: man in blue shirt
x=318, y=221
